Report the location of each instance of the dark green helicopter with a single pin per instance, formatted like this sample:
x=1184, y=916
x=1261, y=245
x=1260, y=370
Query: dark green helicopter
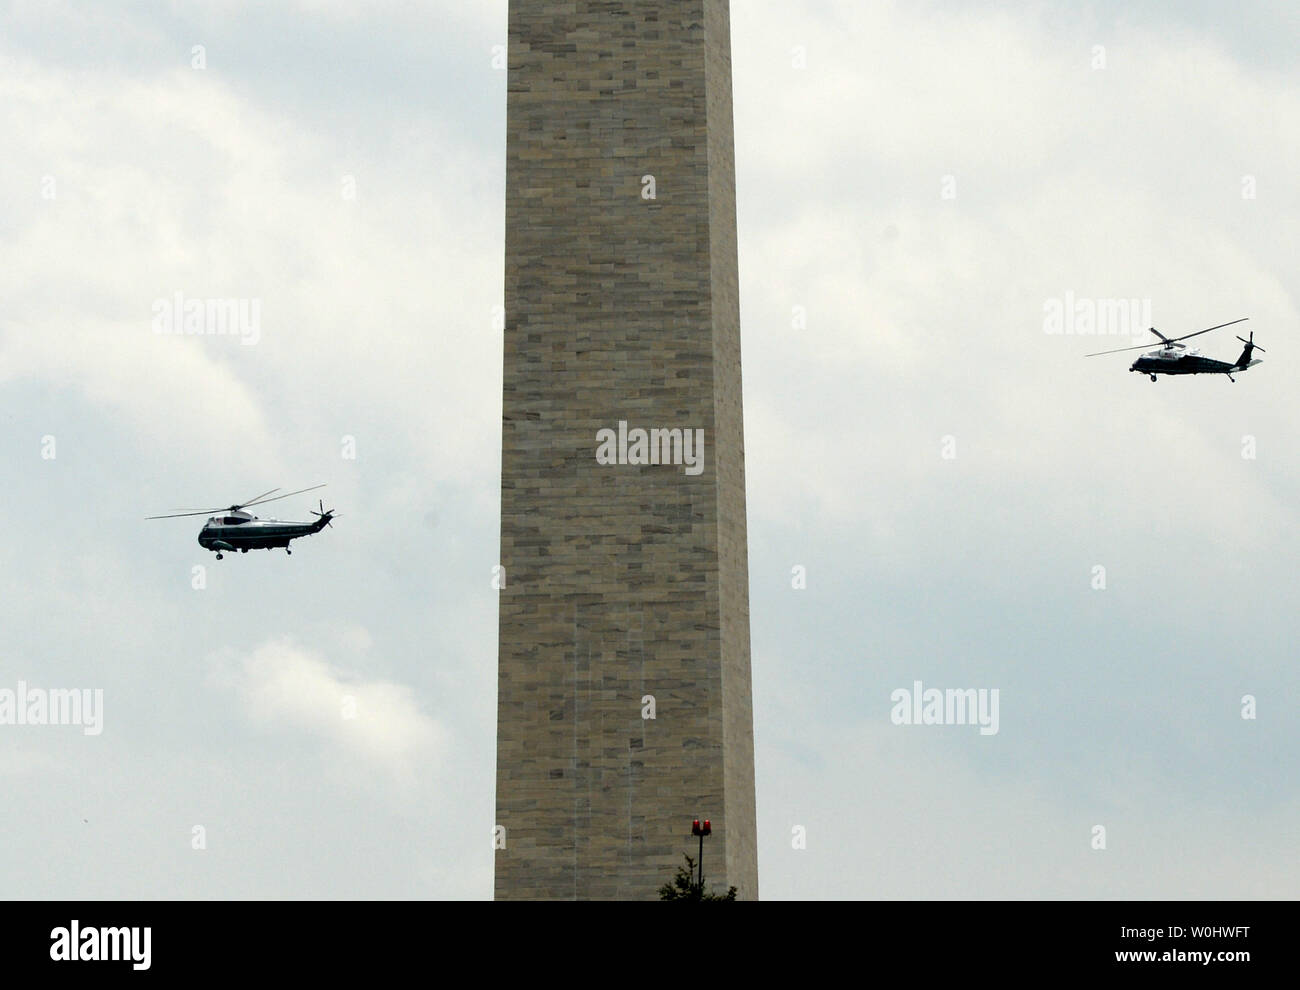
x=1174, y=358
x=232, y=528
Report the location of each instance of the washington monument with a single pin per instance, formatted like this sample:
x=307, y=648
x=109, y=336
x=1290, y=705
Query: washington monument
x=623, y=708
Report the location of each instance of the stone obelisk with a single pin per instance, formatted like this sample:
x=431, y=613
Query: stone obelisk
x=624, y=706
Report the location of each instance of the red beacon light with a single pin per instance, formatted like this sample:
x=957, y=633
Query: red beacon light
x=701, y=831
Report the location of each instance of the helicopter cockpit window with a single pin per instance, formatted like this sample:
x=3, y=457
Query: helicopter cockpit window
x=232, y=520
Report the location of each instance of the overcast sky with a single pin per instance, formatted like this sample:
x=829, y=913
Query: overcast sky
x=923, y=182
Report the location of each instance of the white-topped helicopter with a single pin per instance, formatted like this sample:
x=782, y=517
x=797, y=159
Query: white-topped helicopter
x=235, y=529
x=1173, y=358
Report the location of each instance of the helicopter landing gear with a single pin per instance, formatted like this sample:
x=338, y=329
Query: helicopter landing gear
x=243, y=549
x=1153, y=377
x=288, y=551
x=218, y=556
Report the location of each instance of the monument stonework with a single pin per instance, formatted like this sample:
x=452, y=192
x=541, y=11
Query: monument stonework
x=626, y=588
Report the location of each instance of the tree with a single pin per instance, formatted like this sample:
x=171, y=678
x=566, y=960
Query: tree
x=684, y=887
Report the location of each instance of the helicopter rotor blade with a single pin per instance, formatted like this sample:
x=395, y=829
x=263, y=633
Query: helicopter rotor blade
x=1208, y=329
x=1140, y=347
x=260, y=500
x=278, y=497
x=1169, y=342
x=255, y=498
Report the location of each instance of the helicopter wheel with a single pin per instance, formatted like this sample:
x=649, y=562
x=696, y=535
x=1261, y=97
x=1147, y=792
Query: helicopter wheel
x=288, y=551
x=1153, y=377
x=218, y=556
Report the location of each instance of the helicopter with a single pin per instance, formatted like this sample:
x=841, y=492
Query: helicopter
x=1173, y=358
x=235, y=529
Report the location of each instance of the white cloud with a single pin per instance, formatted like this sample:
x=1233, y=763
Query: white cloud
x=285, y=686
x=180, y=182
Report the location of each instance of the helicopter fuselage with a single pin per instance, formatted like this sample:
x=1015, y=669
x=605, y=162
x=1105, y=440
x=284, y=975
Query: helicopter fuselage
x=1168, y=361
x=243, y=532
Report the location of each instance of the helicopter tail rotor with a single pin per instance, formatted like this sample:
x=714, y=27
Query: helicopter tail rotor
x=1245, y=361
x=325, y=514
